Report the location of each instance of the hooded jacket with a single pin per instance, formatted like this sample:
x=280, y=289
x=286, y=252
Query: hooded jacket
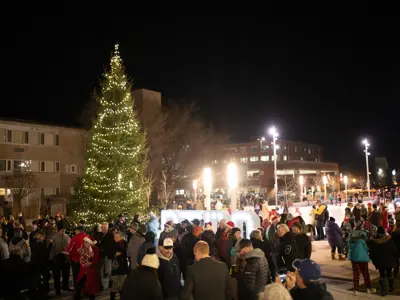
x=383, y=252
x=358, y=250
x=169, y=275
x=253, y=275
x=334, y=234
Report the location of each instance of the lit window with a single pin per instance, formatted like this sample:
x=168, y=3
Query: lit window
x=244, y=160
x=265, y=148
x=301, y=158
x=309, y=150
x=17, y=164
x=253, y=158
x=264, y=158
x=272, y=157
x=180, y=192
x=284, y=157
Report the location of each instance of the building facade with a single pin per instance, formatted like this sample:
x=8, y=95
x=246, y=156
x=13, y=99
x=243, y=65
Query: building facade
x=54, y=154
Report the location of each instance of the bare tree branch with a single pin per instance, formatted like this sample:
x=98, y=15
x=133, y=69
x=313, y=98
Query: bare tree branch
x=21, y=183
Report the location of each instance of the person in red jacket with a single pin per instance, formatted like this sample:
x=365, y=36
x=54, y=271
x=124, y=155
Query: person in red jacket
x=72, y=250
x=384, y=216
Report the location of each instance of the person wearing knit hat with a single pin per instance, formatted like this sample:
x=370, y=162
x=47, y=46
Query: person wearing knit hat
x=230, y=224
x=168, y=271
x=142, y=282
x=136, y=240
x=208, y=226
x=169, y=231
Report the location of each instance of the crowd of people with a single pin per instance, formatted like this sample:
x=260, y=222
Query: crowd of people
x=196, y=259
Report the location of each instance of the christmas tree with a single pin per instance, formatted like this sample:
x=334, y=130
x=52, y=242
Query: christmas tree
x=116, y=154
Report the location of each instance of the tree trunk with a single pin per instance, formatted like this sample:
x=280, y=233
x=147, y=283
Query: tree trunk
x=16, y=208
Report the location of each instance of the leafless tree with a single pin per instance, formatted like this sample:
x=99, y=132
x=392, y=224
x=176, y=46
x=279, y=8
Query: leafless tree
x=362, y=183
x=332, y=183
x=148, y=184
x=21, y=183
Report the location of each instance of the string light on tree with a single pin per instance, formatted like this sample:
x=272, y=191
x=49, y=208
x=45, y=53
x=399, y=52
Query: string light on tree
x=116, y=154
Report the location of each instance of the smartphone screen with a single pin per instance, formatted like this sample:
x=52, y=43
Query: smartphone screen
x=283, y=278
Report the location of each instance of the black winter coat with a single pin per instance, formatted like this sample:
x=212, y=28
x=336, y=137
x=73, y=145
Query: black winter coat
x=107, y=245
x=375, y=218
x=142, y=284
x=40, y=252
x=383, y=252
x=314, y=291
x=396, y=238
x=169, y=276
x=253, y=275
x=209, y=237
x=266, y=247
x=292, y=246
x=122, y=259
x=188, y=242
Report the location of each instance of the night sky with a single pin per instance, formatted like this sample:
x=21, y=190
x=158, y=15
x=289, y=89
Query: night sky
x=318, y=80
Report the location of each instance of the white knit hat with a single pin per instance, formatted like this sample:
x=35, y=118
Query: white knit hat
x=151, y=260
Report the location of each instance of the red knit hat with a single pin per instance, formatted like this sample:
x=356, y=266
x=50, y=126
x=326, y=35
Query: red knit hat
x=275, y=218
x=230, y=224
x=169, y=224
x=208, y=225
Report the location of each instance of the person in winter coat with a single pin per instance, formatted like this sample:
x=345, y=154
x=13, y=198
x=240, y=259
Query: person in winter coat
x=335, y=238
x=4, y=253
x=142, y=283
x=358, y=255
x=168, y=272
x=72, y=250
x=88, y=280
x=225, y=241
x=40, y=251
x=18, y=242
x=137, y=239
x=375, y=216
x=252, y=271
x=271, y=233
x=320, y=215
x=384, y=217
x=148, y=243
x=385, y=257
x=188, y=242
x=169, y=231
x=120, y=267
x=265, y=246
x=208, y=236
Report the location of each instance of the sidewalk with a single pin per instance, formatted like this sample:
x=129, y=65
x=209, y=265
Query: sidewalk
x=335, y=269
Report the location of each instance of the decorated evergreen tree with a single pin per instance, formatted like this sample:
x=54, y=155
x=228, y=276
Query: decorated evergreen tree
x=116, y=154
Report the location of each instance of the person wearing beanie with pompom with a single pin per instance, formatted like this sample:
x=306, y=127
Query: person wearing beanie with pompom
x=87, y=280
x=142, y=283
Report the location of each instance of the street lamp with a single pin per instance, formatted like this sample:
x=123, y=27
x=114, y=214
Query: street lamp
x=274, y=133
x=325, y=180
x=207, y=181
x=232, y=184
x=345, y=179
x=365, y=142
x=301, y=181
x=195, y=189
x=394, y=172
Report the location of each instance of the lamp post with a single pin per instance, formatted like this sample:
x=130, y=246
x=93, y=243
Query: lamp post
x=365, y=142
x=345, y=179
x=301, y=181
x=207, y=181
x=325, y=180
x=274, y=133
x=232, y=184
x=195, y=189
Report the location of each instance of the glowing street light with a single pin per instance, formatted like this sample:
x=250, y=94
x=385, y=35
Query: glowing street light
x=346, y=180
x=232, y=184
x=365, y=142
x=274, y=133
x=207, y=182
x=394, y=172
x=325, y=181
x=301, y=181
x=354, y=180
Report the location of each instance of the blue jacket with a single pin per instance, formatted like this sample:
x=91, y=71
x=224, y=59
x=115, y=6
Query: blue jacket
x=358, y=249
x=334, y=234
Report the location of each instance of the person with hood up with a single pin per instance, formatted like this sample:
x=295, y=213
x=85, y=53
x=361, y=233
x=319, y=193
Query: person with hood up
x=137, y=239
x=149, y=239
x=208, y=236
x=18, y=242
x=252, y=271
x=358, y=255
x=142, y=283
x=335, y=238
x=305, y=282
x=168, y=271
x=385, y=257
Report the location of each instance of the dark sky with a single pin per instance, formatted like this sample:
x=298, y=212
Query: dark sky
x=319, y=80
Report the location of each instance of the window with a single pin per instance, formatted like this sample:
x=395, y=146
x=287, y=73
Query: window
x=34, y=165
x=49, y=166
x=73, y=169
x=17, y=164
x=49, y=139
x=34, y=138
x=309, y=150
x=301, y=158
x=9, y=136
x=57, y=166
x=272, y=157
x=2, y=135
x=295, y=148
x=8, y=165
x=244, y=160
x=253, y=174
x=57, y=140
x=3, y=165
x=253, y=149
x=57, y=191
x=42, y=166
x=285, y=157
x=253, y=158
x=305, y=149
x=26, y=137
x=285, y=147
x=264, y=158
x=180, y=192
x=17, y=137
x=42, y=139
